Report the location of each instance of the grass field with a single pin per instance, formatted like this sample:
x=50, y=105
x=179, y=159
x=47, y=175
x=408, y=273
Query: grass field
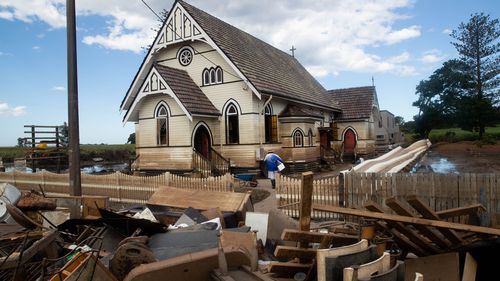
x=109, y=152
x=456, y=134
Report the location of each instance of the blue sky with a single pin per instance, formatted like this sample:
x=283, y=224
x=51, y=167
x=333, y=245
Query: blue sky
x=343, y=44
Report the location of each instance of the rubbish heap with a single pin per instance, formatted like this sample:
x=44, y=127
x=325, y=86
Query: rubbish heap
x=200, y=235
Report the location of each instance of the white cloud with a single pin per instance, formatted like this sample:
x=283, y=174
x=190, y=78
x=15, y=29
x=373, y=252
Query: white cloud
x=6, y=109
x=6, y=15
x=447, y=31
x=403, y=57
x=432, y=56
x=50, y=11
x=58, y=88
x=36, y=48
x=331, y=36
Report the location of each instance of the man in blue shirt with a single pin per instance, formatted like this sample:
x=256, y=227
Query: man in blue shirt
x=272, y=160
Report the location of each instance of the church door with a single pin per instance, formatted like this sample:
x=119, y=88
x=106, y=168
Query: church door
x=324, y=138
x=349, y=141
x=202, y=141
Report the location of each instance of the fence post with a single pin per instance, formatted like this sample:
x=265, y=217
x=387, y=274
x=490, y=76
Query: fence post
x=342, y=186
x=117, y=180
x=167, y=178
x=306, y=201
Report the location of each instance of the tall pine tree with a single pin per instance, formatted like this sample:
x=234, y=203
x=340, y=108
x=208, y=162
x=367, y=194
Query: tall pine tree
x=477, y=43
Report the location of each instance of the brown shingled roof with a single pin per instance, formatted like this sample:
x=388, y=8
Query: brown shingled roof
x=190, y=95
x=293, y=110
x=356, y=103
x=270, y=70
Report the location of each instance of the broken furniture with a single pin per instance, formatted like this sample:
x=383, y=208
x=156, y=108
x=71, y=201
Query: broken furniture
x=83, y=266
x=420, y=230
x=331, y=262
x=365, y=270
x=396, y=273
x=236, y=251
x=22, y=253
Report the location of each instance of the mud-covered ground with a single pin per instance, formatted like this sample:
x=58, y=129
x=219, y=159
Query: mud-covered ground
x=464, y=157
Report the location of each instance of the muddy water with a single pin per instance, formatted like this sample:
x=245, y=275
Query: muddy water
x=433, y=162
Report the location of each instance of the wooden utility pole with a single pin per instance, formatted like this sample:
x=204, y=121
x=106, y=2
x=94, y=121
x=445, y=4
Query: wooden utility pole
x=75, y=188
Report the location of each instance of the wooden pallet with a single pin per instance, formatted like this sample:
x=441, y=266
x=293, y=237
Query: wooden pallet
x=417, y=228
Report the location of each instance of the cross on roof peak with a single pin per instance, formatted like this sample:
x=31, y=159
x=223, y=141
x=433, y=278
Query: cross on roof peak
x=293, y=51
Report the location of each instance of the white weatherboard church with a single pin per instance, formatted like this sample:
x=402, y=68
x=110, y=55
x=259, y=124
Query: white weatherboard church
x=208, y=94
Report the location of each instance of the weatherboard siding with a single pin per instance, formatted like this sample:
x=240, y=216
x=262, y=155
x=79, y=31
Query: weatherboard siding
x=208, y=58
x=173, y=158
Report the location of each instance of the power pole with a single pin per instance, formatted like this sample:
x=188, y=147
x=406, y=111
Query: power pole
x=75, y=187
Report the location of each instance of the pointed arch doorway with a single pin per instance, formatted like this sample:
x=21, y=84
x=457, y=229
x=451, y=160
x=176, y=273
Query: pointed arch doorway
x=202, y=141
x=349, y=141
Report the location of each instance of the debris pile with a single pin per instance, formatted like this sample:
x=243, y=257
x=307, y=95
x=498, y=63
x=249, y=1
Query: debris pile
x=184, y=234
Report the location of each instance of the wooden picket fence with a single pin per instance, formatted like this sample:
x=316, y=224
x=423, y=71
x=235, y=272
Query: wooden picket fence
x=439, y=191
x=325, y=191
x=120, y=188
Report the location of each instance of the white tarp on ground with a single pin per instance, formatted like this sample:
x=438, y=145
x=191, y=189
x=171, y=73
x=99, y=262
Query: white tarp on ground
x=394, y=160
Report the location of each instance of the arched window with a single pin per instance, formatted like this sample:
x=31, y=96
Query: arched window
x=218, y=74
x=232, y=124
x=310, y=138
x=206, y=77
x=271, y=125
x=298, y=138
x=162, y=125
x=212, y=76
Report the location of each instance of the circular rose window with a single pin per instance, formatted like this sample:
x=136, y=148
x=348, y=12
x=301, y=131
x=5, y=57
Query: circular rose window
x=185, y=56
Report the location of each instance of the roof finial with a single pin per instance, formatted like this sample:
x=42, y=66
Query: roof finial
x=373, y=82
x=293, y=51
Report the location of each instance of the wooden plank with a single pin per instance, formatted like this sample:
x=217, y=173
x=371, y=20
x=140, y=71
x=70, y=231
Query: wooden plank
x=291, y=252
x=409, y=233
x=427, y=213
x=409, y=220
x=198, y=199
x=403, y=241
x=306, y=201
x=400, y=209
x=316, y=237
x=470, y=268
x=460, y=211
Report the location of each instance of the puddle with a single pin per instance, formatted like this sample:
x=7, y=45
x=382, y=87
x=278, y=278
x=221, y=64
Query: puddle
x=96, y=169
x=433, y=162
x=99, y=169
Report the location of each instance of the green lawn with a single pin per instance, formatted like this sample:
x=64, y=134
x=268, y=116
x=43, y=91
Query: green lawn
x=456, y=134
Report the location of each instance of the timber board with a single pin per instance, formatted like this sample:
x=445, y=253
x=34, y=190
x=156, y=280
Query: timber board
x=199, y=199
x=400, y=209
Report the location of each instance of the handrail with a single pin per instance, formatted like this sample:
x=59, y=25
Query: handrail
x=215, y=164
x=201, y=164
x=219, y=163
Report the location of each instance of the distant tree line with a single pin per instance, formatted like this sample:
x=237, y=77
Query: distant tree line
x=464, y=92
